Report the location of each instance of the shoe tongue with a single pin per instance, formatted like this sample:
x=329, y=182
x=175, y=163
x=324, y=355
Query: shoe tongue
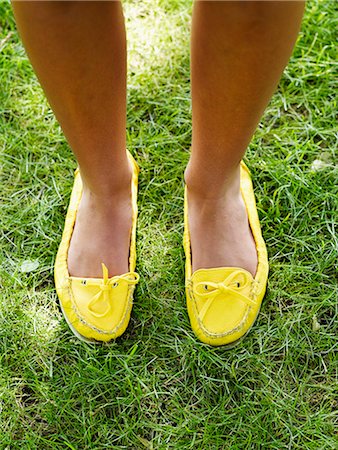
x=219, y=274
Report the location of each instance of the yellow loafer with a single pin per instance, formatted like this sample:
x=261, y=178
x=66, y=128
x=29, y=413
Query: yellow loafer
x=96, y=309
x=223, y=302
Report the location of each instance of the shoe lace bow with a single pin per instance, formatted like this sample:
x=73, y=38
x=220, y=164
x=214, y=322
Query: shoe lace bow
x=105, y=286
x=234, y=284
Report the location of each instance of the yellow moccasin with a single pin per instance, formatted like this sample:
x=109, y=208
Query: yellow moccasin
x=96, y=309
x=223, y=302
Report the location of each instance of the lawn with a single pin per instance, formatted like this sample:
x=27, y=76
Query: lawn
x=157, y=387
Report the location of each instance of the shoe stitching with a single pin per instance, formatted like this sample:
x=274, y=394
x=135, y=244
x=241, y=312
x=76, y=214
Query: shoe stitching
x=254, y=289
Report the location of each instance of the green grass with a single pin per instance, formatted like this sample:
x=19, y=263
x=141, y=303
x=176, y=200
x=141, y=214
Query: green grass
x=157, y=387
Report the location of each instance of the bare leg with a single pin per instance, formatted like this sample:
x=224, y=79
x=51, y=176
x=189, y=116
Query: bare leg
x=78, y=50
x=238, y=52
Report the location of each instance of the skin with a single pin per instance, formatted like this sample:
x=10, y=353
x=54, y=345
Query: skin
x=238, y=52
x=234, y=72
x=78, y=51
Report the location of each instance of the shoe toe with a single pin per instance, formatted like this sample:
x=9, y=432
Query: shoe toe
x=94, y=313
x=104, y=311
x=221, y=305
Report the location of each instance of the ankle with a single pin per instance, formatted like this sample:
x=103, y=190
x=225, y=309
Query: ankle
x=110, y=186
x=212, y=183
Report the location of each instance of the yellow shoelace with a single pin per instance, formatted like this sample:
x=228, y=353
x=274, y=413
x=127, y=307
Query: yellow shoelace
x=212, y=289
x=107, y=284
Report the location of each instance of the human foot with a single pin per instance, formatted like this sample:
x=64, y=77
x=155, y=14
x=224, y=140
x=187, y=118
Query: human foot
x=101, y=234
x=220, y=234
